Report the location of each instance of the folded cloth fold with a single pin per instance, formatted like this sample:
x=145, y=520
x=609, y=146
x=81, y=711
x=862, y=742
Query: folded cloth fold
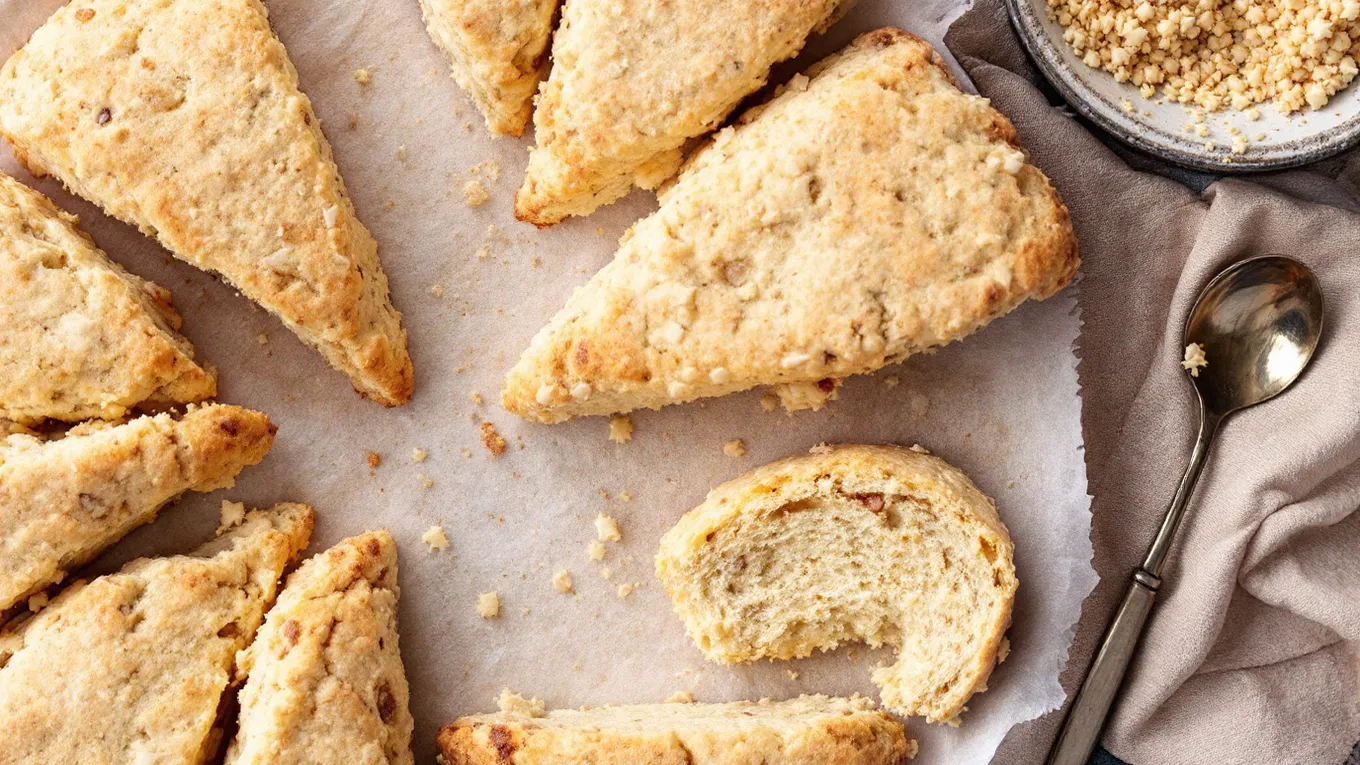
x=1250, y=655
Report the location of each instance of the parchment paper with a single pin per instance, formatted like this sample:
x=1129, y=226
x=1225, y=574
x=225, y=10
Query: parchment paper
x=1001, y=405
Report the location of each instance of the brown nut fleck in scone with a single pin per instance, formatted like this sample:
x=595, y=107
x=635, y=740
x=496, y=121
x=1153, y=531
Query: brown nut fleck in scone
x=873, y=544
x=634, y=80
x=185, y=120
x=325, y=682
x=870, y=213
x=64, y=501
x=808, y=730
x=498, y=50
x=132, y=667
x=82, y=337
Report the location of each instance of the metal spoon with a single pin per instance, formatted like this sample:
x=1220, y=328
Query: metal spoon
x=1258, y=322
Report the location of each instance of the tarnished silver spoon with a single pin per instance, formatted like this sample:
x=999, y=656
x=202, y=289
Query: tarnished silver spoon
x=1258, y=323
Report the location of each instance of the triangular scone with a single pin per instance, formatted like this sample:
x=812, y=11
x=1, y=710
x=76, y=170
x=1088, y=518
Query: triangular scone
x=185, y=120
x=82, y=337
x=64, y=501
x=132, y=666
x=855, y=219
x=633, y=80
x=499, y=53
x=325, y=679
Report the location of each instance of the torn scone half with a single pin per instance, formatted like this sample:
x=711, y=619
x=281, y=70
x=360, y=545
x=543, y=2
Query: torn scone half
x=186, y=120
x=875, y=544
x=633, y=81
x=133, y=666
x=82, y=338
x=325, y=682
x=65, y=500
x=780, y=257
x=498, y=51
x=808, y=730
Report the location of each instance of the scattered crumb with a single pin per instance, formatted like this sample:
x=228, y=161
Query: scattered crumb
x=599, y=231
x=595, y=550
x=561, y=581
x=793, y=675
x=483, y=252
x=37, y=602
x=512, y=703
x=437, y=291
x=232, y=515
x=419, y=455
x=681, y=697
x=492, y=440
x=374, y=459
x=435, y=538
x=262, y=338
x=474, y=193
x=606, y=572
x=426, y=482
x=621, y=429
x=625, y=590
x=919, y=449
x=891, y=381
x=625, y=497
x=489, y=605
x=918, y=403
x=607, y=529
x=769, y=402
x=734, y=448
x=476, y=398
x=362, y=76
x=1194, y=359
x=353, y=121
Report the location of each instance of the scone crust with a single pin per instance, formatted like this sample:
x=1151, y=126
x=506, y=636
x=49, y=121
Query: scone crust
x=498, y=51
x=185, y=119
x=779, y=258
x=633, y=81
x=325, y=678
x=815, y=730
x=132, y=666
x=83, y=337
x=854, y=469
x=64, y=501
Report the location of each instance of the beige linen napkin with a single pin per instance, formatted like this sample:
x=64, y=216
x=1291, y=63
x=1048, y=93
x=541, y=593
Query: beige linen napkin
x=1250, y=654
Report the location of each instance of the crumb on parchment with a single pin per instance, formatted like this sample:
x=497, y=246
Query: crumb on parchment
x=621, y=429
x=512, y=703
x=425, y=481
x=374, y=459
x=607, y=529
x=734, y=448
x=233, y=513
x=595, y=550
x=419, y=455
x=435, y=538
x=561, y=581
x=492, y=440
x=681, y=697
x=475, y=194
x=626, y=589
x=362, y=76
x=437, y=291
x=769, y=402
x=489, y=605
x=793, y=675
x=1194, y=359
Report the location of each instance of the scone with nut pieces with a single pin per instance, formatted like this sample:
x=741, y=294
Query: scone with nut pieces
x=83, y=338
x=65, y=500
x=873, y=544
x=498, y=50
x=634, y=80
x=325, y=682
x=133, y=666
x=808, y=730
x=186, y=120
x=780, y=258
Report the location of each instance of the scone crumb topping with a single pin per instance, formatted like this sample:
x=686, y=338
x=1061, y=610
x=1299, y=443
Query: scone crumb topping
x=489, y=605
x=435, y=538
x=607, y=529
x=620, y=429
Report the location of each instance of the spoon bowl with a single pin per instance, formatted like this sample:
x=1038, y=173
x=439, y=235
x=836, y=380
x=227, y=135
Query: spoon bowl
x=1258, y=322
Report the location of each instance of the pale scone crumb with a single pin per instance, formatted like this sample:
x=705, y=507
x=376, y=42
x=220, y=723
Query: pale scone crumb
x=402, y=154
x=232, y=515
x=437, y=291
x=595, y=550
x=435, y=538
x=489, y=605
x=419, y=455
x=621, y=429
x=626, y=589
x=262, y=339
x=607, y=529
x=606, y=572
x=793, y=675
x=37, y=602
x=625, y=496
x=476, y=399
x=492, y=440
x=474, y=193
x=425, y=481
x=891, y=381
x=769, y=402
x=362, y=76
x=1003, y=650
x=681, y=697
x=1194, y=359
x=562, y=582
x=512, y=703
x=734, y=448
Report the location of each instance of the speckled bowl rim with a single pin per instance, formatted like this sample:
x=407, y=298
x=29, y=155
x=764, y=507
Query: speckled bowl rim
x=1044, y=52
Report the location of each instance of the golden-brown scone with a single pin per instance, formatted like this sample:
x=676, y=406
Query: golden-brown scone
x=132, y=667
x=325, y=680
x=64, y=501
x=498, y=50
x=185, y=120
x=868, y=214
x=633, y=80
x=873, y=544
x=82, y=337
x=808, y=730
